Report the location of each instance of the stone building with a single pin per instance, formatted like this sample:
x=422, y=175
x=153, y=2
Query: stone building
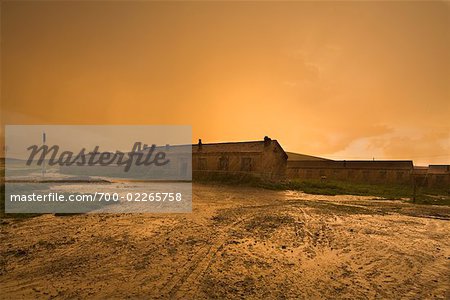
x=265, y=159
x=439, y=175
x=433, y=176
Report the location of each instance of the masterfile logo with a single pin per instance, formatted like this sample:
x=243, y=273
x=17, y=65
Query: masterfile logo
x=68, y=158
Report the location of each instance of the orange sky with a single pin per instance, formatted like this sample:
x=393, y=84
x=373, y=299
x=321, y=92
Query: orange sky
x=342, y=80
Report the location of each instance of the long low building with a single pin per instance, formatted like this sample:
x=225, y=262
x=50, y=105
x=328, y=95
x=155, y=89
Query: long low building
x=433, y=176
x=380, y=171
x=267, y=159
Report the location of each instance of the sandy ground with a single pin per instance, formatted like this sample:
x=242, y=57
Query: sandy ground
x=238, y=243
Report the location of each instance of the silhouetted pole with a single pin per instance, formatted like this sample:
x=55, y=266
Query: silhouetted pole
x=43, y=163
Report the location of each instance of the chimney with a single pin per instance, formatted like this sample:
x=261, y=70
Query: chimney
x=200, y=144
x=267, y=141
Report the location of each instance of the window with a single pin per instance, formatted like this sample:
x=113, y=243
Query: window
x=309, y=173
x=202, y=163
x=246, y=164
x=223, y=163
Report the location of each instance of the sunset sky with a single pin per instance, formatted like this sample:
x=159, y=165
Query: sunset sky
x=344, y=80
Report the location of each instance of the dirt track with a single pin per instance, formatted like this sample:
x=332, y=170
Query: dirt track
x=239, y=242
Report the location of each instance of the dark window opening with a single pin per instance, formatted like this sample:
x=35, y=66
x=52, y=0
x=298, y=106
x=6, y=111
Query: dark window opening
x=202, y=163
x=223, y=163
x=246, y=164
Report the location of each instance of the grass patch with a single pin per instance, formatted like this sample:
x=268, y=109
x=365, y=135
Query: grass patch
x=423, y=195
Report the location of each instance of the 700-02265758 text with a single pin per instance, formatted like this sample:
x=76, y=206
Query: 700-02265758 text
x=99, y=196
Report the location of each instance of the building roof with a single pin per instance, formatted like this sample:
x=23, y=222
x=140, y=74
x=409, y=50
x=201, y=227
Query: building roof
x=439, y=169
x=242, y=147
x=350, y=164
x=297, y=156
